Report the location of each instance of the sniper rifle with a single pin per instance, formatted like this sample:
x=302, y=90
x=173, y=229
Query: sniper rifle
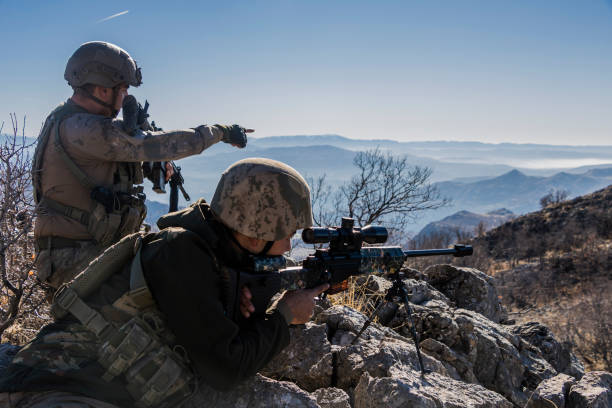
x=345, y=257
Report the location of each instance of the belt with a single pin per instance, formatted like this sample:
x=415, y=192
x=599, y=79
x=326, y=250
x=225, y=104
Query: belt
x=59, y=242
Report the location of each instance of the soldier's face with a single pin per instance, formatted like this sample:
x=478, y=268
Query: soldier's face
x=256, y=245
x=281, y=246
x=122, y=92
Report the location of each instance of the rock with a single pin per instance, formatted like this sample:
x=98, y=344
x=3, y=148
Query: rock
x=420, y=292
x=594, y=390
x=468, y=288
x=343, y=323
x=478, y=349
x=258, y=391
x=537, y=369
x=307, y=360
x=556, y=353
x=332, y=398
x=379, y=359
x=552, y=393
x=410, y=273
x=457, y=364
x=373, y=283
x=409, y=389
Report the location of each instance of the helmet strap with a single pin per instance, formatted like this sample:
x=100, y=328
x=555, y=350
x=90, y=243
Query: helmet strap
x=265, y=249
x=114, y=111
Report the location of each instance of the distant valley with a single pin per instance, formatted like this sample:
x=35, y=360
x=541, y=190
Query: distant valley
x=478, y=177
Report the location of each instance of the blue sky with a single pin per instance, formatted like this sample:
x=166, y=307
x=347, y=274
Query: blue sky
x=488, y=70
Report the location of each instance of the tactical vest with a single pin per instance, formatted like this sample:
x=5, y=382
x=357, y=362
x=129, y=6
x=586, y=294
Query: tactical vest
x=135, y=345
x=114, y=211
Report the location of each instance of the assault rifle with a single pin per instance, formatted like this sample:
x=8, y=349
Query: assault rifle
x=156, y=171
x=345, y=257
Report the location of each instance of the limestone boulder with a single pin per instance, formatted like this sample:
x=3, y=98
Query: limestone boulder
x=556, y=353
x=594, y=390
x=552, y=392
x=258, y=391
x=332, y=398
x=307, y=360
x=409, y=389
x=468, y=288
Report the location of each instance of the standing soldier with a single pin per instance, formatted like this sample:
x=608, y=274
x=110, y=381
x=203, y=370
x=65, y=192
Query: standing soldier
x=158, y=313
x=87, y=170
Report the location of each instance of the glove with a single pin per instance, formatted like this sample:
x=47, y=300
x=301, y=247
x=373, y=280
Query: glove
x=130, y=114
x=234, y=134
x=134, y=116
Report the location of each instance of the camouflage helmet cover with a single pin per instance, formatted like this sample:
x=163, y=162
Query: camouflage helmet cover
x=263, y=198
x=101, y=63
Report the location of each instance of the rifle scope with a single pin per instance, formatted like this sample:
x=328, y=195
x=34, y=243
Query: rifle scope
x=372, y=234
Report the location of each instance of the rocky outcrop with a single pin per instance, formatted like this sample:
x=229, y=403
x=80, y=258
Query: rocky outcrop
x=468, y=288
x=409, y=389
x=308, y=359
x=470, y=359
x=556, y=353
x=258, y=391
x=594, y=390
x=552, y=392
x=332, y=398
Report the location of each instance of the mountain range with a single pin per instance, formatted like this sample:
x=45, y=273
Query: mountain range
x=478, y=177
x=464, y=222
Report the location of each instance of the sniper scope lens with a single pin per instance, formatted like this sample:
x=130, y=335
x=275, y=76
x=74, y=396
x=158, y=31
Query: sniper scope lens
x=319, y=235
x=372, y=234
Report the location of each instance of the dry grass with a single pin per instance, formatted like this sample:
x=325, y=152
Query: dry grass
x=359, y=295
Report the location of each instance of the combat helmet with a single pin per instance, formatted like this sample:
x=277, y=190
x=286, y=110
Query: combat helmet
x=262, y=198
x=101, y=63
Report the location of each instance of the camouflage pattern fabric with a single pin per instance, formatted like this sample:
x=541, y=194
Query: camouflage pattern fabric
x=263, y=198
x=58, y=265
x=50, y=399
x=59, y=351
x=99, y=147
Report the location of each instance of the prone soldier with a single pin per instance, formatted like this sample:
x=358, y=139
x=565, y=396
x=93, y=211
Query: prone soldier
x=156, y=313
x=87, y=168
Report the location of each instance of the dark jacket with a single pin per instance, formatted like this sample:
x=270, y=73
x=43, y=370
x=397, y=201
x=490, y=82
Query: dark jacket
x=185, y=266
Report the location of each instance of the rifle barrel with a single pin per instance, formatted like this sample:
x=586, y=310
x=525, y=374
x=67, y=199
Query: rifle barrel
x=457, y=251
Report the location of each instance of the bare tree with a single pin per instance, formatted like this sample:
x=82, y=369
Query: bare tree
x=386, y=189
x=21, y=295
x=325, y=201
x=553, y=196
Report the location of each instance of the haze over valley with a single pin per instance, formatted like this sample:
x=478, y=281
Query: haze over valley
x=477, y=177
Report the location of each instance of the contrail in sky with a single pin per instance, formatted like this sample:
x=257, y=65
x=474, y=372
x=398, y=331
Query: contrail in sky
x=113, y=16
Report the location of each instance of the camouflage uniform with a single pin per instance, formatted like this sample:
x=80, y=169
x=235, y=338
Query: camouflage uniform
x=86, y=168
x=50, y=399
x=196, y=305
x=180, y=291
x=100, y=147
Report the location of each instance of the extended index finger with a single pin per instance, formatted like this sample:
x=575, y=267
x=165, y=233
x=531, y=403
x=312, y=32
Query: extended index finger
x=249, y=130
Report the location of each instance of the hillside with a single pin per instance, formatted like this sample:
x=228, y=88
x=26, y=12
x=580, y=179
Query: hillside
x=464, y=223
x=555, y=266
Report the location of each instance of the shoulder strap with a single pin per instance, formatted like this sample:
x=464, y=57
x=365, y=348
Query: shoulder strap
x=41, y=145
x=99, y=270
x=72, y=166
